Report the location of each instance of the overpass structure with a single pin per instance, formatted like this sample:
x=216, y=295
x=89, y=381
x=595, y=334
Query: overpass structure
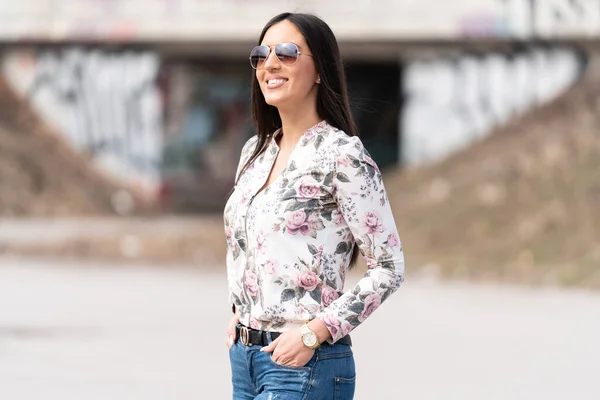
x=241, y=20
x=157, y=90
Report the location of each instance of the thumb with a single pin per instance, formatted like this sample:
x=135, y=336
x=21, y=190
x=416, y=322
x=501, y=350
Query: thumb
x=271, y=347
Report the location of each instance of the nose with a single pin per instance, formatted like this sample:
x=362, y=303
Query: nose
x=272, y=61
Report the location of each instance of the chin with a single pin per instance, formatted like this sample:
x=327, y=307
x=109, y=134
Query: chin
x=275, y=101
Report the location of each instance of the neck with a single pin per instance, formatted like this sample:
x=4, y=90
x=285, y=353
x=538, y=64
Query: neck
x=294, y=123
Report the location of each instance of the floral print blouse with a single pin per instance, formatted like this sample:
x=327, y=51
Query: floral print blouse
x=289, y=245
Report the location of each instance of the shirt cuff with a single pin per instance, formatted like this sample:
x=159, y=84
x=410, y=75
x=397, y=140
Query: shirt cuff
x=338, y=327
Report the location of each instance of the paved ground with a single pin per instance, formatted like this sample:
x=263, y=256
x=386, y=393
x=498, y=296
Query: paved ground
x=72, y=331
x=60, y=230
x=157, y=239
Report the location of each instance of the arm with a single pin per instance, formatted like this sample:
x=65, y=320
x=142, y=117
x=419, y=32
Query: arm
x=247, y=150
x=361, y=198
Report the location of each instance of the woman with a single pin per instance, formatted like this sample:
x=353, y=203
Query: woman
x=307, y=194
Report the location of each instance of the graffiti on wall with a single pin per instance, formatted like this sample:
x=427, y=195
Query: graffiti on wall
x=552, y=18
x=453, y=102
x=106, y=104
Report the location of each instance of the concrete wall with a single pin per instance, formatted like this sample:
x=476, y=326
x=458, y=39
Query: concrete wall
x=452, y=102
x=107, y=104
x=225, y=20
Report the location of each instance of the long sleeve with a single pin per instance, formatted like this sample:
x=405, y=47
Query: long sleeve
x=362, y=201
x=246, y=152
x=288, y=248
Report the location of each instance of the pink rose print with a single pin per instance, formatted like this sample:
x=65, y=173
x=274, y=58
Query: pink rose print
x=371, y=263
x=298, y=222
x=333, y=324
x=318, y=256
x=337, y=217
x=251, y=284
x=309, y=134
x=346, y=328
x=369, y=160
x=229, y=235
x=328, y=295
x=269, y=267
x=309, y=188
x=371, y=303
x=260, y=242
x=373, y=223
x=392, y=240
x=254, y=324
x=345, y=162
x=299, y=310
x=308, y=280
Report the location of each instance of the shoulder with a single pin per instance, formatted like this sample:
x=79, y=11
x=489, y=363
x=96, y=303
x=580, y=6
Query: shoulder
x=338, y=139
x=248, y=148
x=250, y=145
x=348, y=148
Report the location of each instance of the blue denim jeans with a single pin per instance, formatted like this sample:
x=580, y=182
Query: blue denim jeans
x=329, y=375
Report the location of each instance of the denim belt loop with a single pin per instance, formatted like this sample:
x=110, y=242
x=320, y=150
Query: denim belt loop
x=269, y=340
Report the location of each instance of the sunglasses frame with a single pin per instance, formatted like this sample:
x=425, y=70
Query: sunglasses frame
x=272, y=48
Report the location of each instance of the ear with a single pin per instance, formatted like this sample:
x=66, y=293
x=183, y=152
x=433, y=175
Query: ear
x=318, y=79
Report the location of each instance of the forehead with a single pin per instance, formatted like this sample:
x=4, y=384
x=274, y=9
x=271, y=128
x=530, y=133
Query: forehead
x=282, y=32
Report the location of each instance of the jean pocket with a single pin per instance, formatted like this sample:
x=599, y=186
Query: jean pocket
x=344, y=388
x=306, y=367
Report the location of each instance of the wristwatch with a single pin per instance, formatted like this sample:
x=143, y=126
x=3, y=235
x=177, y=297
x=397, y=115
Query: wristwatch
x=309, y=338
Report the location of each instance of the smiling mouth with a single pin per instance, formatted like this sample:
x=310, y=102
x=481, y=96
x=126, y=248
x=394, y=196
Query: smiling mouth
x=275, y=83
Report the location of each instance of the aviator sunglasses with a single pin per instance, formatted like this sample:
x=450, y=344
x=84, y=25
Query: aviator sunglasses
x=287, y=54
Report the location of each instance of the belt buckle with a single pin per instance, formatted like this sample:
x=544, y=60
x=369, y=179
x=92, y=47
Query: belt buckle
x=244, y=335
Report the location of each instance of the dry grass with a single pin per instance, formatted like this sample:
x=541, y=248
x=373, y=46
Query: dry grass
x=522, y=205
x=40, y=175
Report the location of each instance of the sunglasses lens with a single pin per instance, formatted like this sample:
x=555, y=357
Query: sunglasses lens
x=287, y=53
x=258, y=55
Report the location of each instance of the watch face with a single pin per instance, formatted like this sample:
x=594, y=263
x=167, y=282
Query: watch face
x=309, y=339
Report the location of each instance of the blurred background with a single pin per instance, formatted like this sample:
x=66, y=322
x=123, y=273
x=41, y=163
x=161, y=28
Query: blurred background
x=121, y=125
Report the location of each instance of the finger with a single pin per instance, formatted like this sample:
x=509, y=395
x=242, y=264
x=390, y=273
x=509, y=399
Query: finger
x=271, y=346
x=230, y=338
x=231, y=327
x=231, y=332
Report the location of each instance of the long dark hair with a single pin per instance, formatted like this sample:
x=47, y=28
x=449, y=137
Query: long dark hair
x=333, y=104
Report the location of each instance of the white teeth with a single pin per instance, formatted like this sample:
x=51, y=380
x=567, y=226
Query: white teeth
x=275, y=81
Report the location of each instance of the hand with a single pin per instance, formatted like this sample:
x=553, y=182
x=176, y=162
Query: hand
x=231, y=331
x=288, y=350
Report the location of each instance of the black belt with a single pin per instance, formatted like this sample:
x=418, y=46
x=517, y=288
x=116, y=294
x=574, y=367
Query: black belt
x=249, y=336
